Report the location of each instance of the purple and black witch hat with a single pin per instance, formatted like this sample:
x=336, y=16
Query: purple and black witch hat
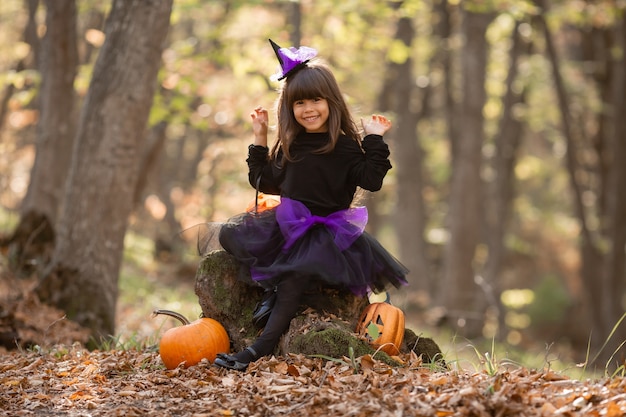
x=291, y=59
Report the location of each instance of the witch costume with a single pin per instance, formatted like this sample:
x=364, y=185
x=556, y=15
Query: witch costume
x=314, y=231
x=314, y=235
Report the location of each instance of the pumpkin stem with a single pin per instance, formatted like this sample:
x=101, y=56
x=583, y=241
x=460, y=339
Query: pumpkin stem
x=171, y=313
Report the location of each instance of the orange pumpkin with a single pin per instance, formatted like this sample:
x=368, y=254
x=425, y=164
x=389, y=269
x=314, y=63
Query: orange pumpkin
x=382, y=326
x=264, y=202
x=190, y=343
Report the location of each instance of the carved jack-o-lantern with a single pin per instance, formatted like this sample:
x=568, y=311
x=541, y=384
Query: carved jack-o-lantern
x=382, y=326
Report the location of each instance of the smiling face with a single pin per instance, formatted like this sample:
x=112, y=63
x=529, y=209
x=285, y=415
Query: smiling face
x=312, y=114
x=310, y=101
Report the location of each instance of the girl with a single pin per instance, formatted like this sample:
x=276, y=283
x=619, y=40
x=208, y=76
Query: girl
x=315, y=165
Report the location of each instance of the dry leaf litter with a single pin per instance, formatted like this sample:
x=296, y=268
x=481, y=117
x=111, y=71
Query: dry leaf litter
x=72, y=381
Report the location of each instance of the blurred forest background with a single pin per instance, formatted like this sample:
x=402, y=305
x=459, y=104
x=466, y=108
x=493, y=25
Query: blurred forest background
x=123, y=123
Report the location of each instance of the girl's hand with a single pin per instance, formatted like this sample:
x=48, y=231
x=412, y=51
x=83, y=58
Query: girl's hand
x=376, y=125
x=259, y=125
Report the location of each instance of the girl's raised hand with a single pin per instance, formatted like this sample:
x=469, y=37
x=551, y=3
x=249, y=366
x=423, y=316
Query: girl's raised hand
x=376, y=125
x=259, y=125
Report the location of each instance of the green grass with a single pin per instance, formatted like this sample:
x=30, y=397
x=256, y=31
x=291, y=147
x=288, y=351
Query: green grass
x=620, y=370
x=492, y=357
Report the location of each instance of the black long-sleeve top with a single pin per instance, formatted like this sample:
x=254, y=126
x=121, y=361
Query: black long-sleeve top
x=325, y=183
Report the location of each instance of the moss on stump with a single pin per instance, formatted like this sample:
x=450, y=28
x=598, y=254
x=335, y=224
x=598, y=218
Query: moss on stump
x=314, y=334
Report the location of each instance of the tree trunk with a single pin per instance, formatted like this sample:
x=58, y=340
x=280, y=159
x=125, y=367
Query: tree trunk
x=294, y=16
x=40, y=207
x=444, y=29
x=613, y=271
x=231, y=301
x=148, y=163
x=83, y=275
x=501, y=188
x=397, y=96
x=461, y=298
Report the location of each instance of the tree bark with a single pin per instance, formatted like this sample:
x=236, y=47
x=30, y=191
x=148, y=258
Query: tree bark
x=83, y=275
x=40, y=207
x=459, y=294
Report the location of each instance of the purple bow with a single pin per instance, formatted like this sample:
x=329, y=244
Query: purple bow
x=294, y=219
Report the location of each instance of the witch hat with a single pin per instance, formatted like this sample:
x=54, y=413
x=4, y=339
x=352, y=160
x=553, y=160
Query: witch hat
x=291, y=59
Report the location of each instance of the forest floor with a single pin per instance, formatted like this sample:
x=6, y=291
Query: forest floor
x=52, y=375
x=74, y=382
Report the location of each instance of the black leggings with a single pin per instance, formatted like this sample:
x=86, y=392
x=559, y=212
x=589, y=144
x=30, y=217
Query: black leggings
x=289, y=293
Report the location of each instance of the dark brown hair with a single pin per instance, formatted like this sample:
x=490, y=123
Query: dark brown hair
x=312, y=81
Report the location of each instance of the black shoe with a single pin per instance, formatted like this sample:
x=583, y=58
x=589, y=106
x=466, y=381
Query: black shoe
x=263, y=309
x=229, y=362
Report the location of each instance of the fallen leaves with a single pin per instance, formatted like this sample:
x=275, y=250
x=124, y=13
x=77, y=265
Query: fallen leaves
x=74, y=381
x=25, y=321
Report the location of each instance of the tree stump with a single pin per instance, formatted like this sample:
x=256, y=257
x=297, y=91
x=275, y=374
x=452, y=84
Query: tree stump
x=325, y=326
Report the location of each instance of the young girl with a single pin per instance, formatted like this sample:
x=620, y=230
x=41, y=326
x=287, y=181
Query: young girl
x=316, y=165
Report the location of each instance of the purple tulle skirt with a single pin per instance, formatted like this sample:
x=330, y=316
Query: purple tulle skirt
x=257, y=241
